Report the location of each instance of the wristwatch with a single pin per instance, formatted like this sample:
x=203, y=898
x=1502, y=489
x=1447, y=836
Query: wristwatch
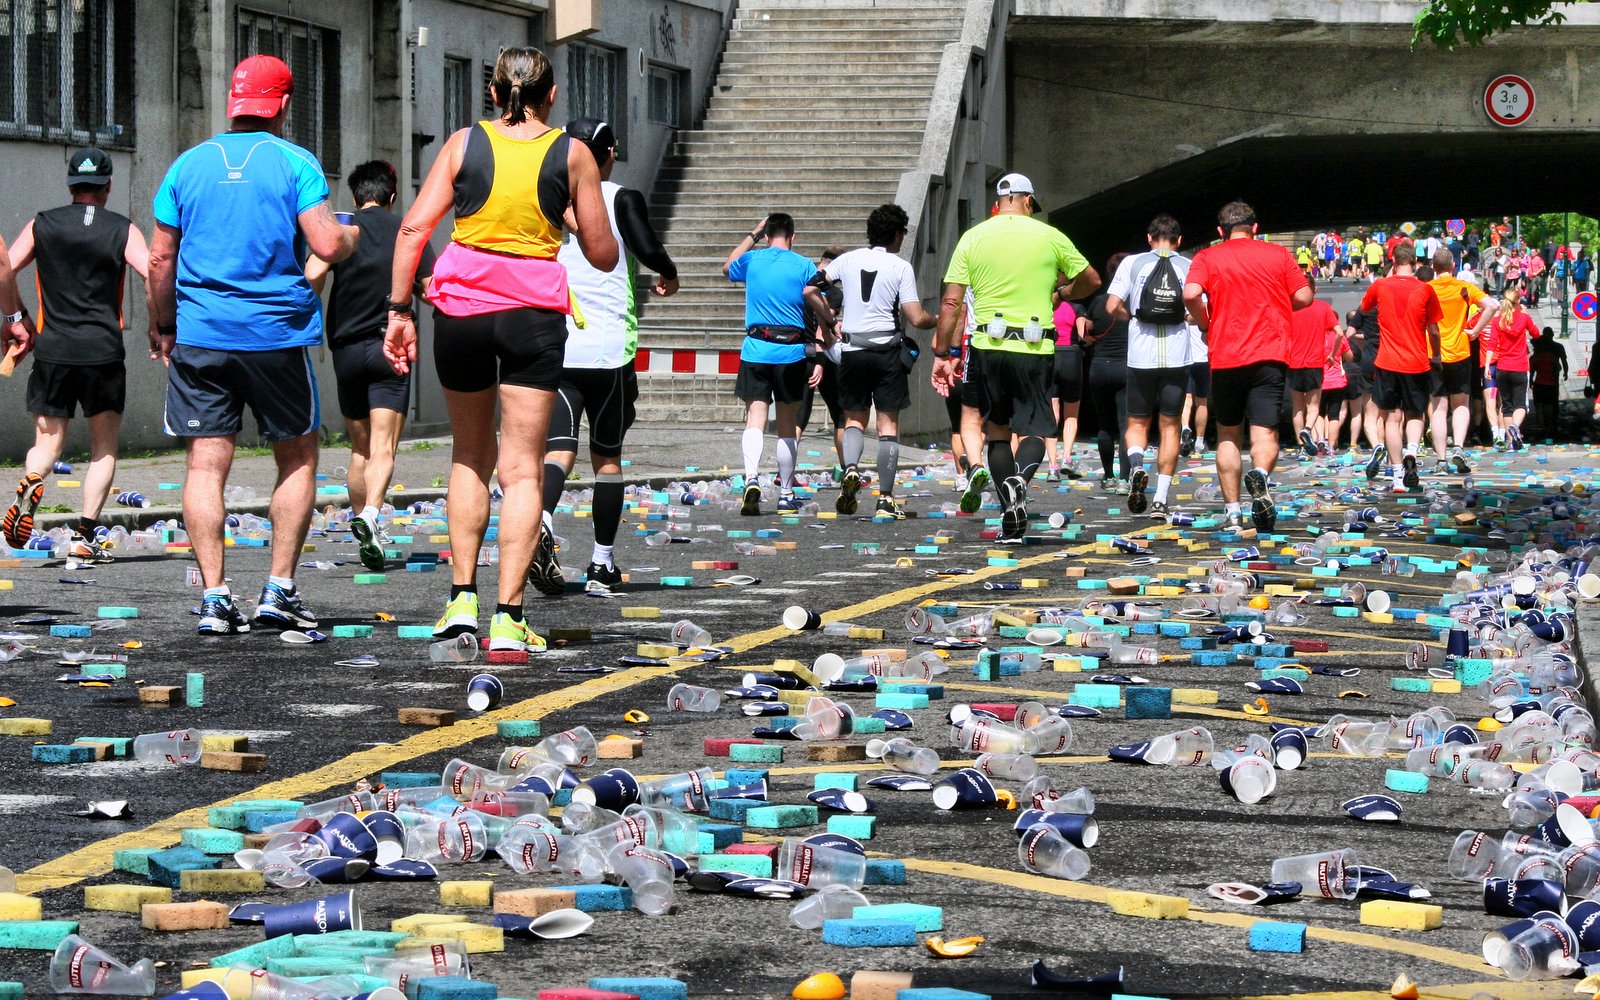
x=947, y=352
x=398, y=308
x=15, y=317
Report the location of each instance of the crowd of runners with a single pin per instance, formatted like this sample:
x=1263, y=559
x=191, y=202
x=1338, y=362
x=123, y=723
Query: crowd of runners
x=535, y=322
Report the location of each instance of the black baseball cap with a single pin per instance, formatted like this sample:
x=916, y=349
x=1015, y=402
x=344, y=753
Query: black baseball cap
x=88, y=165
x=596, y=134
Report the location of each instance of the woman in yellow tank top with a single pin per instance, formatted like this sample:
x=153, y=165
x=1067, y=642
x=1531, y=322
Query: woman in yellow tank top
x=500, y=302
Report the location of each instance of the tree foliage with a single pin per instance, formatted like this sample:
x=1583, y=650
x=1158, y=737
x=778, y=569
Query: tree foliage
x=1450, y=23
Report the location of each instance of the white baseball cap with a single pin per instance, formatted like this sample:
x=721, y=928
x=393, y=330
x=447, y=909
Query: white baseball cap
x=1017, y=184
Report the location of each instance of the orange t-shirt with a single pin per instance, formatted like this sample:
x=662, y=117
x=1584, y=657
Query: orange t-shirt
x=1406, y=305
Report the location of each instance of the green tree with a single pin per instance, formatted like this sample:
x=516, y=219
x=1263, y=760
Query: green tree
x=1449, y=23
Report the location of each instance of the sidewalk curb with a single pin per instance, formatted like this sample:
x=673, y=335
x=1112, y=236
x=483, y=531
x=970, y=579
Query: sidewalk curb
x=142, y=517
x=1587, y=614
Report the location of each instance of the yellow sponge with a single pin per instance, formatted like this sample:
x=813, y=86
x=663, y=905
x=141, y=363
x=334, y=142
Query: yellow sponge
x=1446, y=685
x=236, y=982
x=657, y=650
x=125, y=898
x=466, y=893
x=1401, y=915
x=15, y=906
x=1148, y=904
x=478, y=938
x=1194, y=696
x=418, y=923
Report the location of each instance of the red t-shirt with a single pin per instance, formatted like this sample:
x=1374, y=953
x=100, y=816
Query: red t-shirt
x=1406, y=305
x=1510, y=345
x=1309, y=328
x=1249, y=285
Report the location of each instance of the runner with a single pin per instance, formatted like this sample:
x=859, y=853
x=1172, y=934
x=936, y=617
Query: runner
x=1066, y=390
x=1358, y=387
x=235, y=320
x=500, y=299
x=1549, y=369
x=826, y=358
x=83, y=251
x=598, y=380
x=1106, y=336
x=1408, y=314
x=1335, y=384
x=1196, y=406
x=1243, y=293
x=1147, y=292
x=1373, y=250
x=1507, y=357
x=880, y=289
x=773, y=370
x=1011, y=261
x=1308, y=352
x=372, y=398
x=1451, y=391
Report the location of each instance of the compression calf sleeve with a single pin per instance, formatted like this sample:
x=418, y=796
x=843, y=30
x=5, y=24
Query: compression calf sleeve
x=854, y=445
x=1002, y=463
x=888, y=463
x=788, y=449
x=1030, y=454
x=555, y=483
x=607, y=507
x=751, y=443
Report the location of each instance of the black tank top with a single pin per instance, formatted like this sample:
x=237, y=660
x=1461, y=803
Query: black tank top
x=78, y=257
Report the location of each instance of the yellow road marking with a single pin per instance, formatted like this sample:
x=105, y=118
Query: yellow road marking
x=1455, y=991
x=97, y=858
x=1099, y=894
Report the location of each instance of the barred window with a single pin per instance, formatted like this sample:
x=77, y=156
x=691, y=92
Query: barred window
x=312, y=53
x=666, y=95
x=458, y=103
x=490, y=112
x=594, y=87
x=66, y=71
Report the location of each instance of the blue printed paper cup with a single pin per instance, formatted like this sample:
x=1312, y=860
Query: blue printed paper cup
x=615, y=789
x=1522, y=897
x=484, y=692
x=314, y=916
x=965, y=789
x=348, y=837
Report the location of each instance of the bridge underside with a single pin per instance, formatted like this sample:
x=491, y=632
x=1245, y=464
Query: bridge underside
x=1312, y=181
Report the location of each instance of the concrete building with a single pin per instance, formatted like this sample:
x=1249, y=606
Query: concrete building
x=383, y=79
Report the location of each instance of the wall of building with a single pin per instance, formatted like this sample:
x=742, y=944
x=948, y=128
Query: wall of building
x=184, y=52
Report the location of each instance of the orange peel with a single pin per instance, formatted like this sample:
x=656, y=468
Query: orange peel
x=821, y=986
x=635, y=716
x=1352, y=693
x=1006, y=800
x=1404, y=988
x=955, y=948
x=1257, y=707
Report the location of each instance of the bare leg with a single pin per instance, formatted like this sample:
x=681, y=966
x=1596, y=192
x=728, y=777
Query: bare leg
x=1230, y=460
x=386, y=426
x=292, y=498
x=1438, y=423
x=524, y=427
x=209, y=460
x=360, y=432
x=1394, y=434
x=1069, y=431
x=1460, y=412
x=49, y=439
x=1170, y=429
x=1264, y=448
x=102, y=471
x=472, y=458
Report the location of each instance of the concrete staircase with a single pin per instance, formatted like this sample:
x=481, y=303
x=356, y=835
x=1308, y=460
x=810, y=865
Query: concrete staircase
x=817, y=110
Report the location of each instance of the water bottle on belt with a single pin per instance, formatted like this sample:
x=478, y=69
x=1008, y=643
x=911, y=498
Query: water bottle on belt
x=1033, y=332
x=997, y=327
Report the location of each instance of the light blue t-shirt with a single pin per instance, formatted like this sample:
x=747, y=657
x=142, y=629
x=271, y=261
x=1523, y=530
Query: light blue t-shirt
x=774, y=287
x=241, y=285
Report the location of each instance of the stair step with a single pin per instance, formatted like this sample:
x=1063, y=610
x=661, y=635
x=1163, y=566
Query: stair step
x=891, y=30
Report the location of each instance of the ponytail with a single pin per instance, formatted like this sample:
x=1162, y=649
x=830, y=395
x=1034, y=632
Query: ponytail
x=522, y=83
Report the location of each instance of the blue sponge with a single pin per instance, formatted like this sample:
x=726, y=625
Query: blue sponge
x=597, y=898
x=853, y=933
x=454, y=988
x=886, y=873
x=938, y=993
x=1274, y=935
x=1149, y=702
x=643, y=987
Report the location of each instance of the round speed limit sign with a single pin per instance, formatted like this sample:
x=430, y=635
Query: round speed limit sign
x=1508, y=100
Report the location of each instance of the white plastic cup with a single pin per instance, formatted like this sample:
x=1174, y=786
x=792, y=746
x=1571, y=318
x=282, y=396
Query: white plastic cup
x=1320, y=874
x=834, y=901
x=693, y=698
x=648, y=873
x=815, y=865
x=79, y=967
x=903, y=755
x=177, y=746
x=1044, y=851
x=687, y=634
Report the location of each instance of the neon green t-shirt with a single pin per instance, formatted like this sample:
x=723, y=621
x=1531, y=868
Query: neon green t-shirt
x=1010, y=262
x=1374, y=252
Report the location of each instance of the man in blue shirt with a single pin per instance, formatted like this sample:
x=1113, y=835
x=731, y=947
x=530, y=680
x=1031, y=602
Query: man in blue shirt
x=234, y=320
x=772, y=361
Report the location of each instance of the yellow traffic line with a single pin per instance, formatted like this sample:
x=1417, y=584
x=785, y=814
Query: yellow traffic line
x=1549, y=990
x=96, y=858
x=1100, y=894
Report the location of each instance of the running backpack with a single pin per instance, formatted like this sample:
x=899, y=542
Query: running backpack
x=1161, y=302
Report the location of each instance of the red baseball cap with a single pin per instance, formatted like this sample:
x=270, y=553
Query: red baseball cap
x=260, y=83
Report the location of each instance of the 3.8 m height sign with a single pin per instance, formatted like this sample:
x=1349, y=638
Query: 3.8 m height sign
x=1508, y=100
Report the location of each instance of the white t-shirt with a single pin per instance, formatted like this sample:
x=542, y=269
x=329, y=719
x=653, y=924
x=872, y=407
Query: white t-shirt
x=875, y=284
x=1151, y=345
x=610, y=336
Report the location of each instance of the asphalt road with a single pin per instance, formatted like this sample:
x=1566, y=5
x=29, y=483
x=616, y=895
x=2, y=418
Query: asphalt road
x=1166, y=830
